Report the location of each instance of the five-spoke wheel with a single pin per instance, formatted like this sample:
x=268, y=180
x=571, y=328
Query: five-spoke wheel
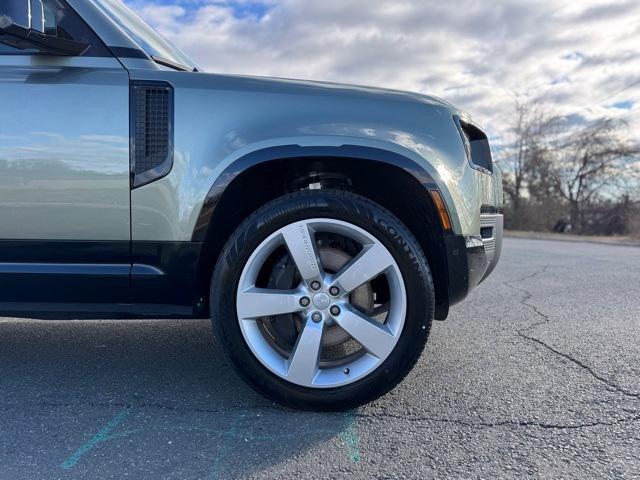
x=320, y=299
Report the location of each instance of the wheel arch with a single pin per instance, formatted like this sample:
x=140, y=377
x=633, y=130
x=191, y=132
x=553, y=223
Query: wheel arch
x=392, y=180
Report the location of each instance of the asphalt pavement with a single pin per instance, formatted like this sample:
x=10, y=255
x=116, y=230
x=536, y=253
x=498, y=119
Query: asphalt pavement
x=535, y=375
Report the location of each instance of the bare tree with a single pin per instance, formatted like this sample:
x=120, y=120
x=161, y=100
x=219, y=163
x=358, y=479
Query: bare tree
x=525, y=155
x=590, y=162
x=555, y=172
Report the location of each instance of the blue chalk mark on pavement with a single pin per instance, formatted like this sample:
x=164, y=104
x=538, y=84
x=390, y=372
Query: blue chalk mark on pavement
x=349, y=437
x=102, y=436
x=216, y=470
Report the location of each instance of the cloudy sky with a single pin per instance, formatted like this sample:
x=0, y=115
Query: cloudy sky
x=584, y=56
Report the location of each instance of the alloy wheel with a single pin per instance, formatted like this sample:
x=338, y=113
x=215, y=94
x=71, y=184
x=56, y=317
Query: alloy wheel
x=321, y=303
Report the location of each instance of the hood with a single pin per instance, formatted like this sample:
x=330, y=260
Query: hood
x=363, y=89
x=310, y=87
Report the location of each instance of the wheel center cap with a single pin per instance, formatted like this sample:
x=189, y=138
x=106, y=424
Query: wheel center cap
x=321, y=301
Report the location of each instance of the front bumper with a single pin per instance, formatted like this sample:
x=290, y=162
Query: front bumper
x=491, y=227
x=471, y=259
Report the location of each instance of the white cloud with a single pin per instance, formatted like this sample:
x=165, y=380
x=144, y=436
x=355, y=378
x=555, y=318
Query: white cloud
x=585, y=56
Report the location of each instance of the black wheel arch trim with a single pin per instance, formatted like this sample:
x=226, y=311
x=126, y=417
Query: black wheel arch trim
x=284, y=152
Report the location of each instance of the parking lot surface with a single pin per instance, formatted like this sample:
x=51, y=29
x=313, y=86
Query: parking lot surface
x=536, y=374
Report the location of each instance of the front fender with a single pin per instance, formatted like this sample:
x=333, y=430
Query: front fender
x=224, y=124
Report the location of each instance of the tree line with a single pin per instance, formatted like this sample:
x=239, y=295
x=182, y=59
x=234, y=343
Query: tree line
x=564, y=175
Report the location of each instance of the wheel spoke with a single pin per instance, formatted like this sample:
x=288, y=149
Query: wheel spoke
x=370, y=262
x=303, y=363
x=302, y=247
x=373, y=336
x=260, y=302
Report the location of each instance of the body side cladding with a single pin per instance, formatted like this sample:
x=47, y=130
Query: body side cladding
x=178, y=263
x=43, y=271
x=98, y=279
x=93, y=311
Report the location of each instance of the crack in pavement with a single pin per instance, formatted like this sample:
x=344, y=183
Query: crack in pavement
x=354, y=414
x=545, y=319
x=501, y=423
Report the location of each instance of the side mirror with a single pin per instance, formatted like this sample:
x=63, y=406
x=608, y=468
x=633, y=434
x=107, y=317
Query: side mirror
x=27, y=38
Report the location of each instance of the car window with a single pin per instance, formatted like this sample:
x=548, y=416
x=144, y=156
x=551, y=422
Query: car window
x=53, y=17
x=39, y=15
x=15, y=12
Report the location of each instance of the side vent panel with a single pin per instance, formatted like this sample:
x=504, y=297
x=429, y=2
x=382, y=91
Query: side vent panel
x=151, y=131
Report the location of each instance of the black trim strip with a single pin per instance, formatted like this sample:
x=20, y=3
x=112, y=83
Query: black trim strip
x=80, y=269
x=146, y=270
x=64, y=269
x=127, y=52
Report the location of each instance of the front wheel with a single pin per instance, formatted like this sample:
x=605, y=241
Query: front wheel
x=322, y=300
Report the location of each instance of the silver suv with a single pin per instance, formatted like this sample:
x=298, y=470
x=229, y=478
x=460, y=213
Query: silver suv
x=322, y=227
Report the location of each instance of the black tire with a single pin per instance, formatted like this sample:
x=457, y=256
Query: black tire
x=350, y=208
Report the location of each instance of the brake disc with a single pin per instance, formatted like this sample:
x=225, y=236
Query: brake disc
x=333, y=260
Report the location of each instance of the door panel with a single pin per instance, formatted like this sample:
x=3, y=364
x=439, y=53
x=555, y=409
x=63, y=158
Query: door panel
x=64, y=177
x=64, y=151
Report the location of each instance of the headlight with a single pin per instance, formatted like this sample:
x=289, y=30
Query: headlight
x=476, y=144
